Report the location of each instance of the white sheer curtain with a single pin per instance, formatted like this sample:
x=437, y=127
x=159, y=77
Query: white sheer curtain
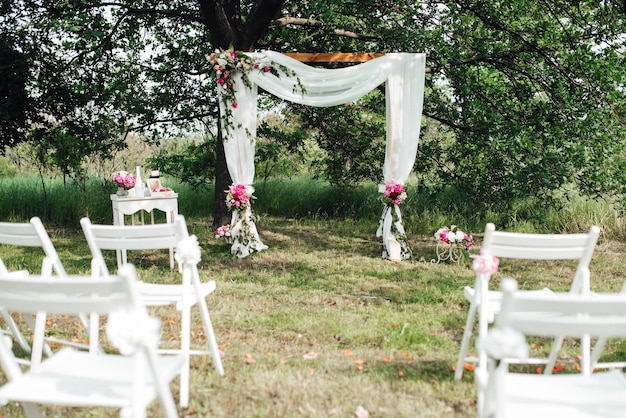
x=403, y=74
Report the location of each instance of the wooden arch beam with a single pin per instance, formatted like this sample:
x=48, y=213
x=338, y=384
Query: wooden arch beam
x=332, y=57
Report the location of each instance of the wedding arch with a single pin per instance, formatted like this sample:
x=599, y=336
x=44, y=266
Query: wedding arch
x=403, y=75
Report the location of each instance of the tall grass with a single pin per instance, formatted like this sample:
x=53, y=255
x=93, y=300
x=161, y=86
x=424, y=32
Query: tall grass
x=62, y=204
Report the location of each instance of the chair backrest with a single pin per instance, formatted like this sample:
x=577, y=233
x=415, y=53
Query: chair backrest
x=119, y=237
x=517, y=245
x=129, y=327
x=32, y=234
x=69, y=295
x=573, y=315
x=549, y=315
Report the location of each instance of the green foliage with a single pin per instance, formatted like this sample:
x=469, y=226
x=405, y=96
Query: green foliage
x=193, y=163
x=15, y=105
x=280, y=148
x=6, y=169
x=353, y=138
x=522, y=98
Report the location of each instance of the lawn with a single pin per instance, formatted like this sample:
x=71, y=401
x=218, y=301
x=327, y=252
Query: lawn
x=319, y=325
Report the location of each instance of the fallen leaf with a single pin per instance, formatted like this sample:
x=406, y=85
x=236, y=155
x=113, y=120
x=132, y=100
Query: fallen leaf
x=386, y=360
x=250, y=359
x=311, y=355
x=468, y=366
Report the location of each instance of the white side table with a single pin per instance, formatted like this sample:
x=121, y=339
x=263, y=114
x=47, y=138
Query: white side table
x=129, y=205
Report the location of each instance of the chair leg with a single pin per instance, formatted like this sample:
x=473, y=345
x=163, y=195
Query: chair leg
x=554, y=352
x=185, y=344
x=211, y=340
x=19, y=337
x=208, y=328
x=467, y=334
x=597, y=351
x=585, y=347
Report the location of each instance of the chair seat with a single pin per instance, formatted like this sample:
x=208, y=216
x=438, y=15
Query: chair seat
x=156, y=294
x=567, y=395
x=78, y=378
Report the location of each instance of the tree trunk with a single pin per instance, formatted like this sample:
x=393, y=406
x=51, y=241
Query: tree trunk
x=221, y=213
x=223, y=20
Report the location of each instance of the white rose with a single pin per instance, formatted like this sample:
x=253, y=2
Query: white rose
x=451, y=236
x=460, y=235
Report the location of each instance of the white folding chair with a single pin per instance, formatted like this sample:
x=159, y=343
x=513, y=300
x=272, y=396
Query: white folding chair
x=131, y=380
x=502, y=393
x=33, y=234
x=487, y=303
x=190, y=292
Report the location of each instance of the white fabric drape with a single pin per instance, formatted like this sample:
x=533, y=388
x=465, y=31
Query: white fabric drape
x=404, y=77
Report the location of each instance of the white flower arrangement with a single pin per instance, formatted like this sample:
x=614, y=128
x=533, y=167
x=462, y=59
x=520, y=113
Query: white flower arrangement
x=453, y=235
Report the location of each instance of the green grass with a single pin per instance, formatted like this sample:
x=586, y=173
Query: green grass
x=385, y=334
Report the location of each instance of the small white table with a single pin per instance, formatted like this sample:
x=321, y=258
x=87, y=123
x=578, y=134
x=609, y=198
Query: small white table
x=129, y=205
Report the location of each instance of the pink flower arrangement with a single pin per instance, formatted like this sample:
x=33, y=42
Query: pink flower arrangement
x=225, y=63
x=238, y=196
x=453, y=235
x=393, y=192
x=123, y=179
x=222, y=231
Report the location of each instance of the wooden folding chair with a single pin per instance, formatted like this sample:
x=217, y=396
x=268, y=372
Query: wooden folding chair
x=487, y=303
x=192, y=291
x=503, y=394
x=130, y=381
x=33, y=234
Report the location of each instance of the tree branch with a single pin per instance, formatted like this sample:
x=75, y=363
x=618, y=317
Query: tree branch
x=299, y=21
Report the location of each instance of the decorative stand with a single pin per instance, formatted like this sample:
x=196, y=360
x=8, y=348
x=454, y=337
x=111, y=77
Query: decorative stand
x=447, y=252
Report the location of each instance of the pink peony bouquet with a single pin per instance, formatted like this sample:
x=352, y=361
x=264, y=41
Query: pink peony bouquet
x=453, y=235
x=123, y=179
x=222, y=231
x=238, y=196
x=393, y=192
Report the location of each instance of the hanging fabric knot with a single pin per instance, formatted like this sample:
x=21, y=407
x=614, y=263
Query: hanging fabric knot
x=485, y=263
x=127, y=330
x=188, y=250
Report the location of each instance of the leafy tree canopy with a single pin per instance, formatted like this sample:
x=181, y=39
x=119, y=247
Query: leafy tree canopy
x=522, y=96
